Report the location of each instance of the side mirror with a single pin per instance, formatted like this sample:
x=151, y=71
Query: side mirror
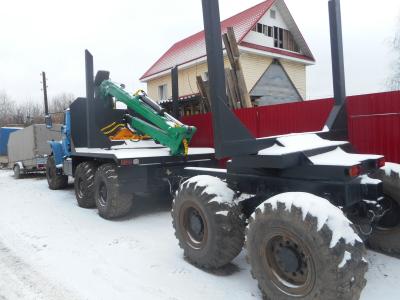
x=48, y=121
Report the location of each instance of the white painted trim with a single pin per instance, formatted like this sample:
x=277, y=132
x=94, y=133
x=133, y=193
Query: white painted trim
x=244, y=49
x=276, y=55
x=181, y=67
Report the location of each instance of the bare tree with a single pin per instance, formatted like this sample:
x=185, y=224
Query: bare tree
x=394, y=81
x=61, y=102
x=58, y=105
x=6, y=109
x=29, y=112
x=33, y=112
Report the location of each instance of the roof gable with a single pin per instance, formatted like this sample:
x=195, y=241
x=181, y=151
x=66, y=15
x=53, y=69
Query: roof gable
x=193, y=47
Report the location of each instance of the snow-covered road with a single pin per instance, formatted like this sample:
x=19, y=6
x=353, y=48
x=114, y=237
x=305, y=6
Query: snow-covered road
x=52, y=249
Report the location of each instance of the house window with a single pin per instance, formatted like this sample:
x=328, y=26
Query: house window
x=259, y=28
x=270, y=32
x=276, y=37
x=265, y=29
x=162, y=92
x=279, y=37
x=273, y=14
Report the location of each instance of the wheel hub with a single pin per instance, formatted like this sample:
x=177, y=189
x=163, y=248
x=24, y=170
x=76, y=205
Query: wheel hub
x=80, y=187
x=391, y=218
x=289, y=263
x=289, y=260
x=103, y=193
x=193, y=225
x=196, y=225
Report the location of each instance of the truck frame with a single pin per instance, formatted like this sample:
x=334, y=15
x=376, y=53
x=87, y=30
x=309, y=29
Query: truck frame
x=109, y=172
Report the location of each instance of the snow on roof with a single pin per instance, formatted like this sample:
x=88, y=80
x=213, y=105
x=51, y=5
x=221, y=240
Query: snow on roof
x=193, y=47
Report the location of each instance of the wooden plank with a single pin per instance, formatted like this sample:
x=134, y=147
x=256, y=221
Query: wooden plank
x=232, y=42
x=236, y=91
x=228, y=50
x=230, y=89
x=204, y=94
x=241, y=83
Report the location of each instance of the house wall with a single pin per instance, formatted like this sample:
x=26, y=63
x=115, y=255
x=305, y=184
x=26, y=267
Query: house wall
x=253, y=66
x=297, y=73
x=187, y=81
x=278, y=21
x=260, y=38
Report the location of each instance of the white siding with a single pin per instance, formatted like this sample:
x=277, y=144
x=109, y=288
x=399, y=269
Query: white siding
x=278, y=21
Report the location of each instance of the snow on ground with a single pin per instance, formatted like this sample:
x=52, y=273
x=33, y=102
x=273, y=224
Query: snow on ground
x=52, y=249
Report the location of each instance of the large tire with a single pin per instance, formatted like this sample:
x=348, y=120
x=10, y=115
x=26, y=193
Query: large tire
x=17, y=172
x=110, y=202
x=54, y=180
x=84, y=184
x=385, y=236
x=210, y=231
x=297, y=257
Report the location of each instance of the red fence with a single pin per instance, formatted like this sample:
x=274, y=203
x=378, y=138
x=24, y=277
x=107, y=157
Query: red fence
x=374, y=122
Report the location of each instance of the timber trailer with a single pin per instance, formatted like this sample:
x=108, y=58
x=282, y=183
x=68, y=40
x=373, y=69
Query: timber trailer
x=303, y=205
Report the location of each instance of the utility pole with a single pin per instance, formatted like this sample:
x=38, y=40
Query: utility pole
x=46, y=104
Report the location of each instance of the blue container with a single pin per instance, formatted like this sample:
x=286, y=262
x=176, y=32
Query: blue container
x=4, y=135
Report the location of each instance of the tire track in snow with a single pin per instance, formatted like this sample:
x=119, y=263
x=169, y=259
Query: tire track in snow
x=18, y=280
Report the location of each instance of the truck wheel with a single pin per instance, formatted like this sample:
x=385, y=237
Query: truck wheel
x=207, y=222
x=84, y=184
x=110, y=202
x=54, y=180
x=385, y=236
x=17, y=172
x=293, y=256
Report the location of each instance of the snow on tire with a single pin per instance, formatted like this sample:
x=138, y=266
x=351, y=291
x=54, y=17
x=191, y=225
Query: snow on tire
x=301, y=246
x=207, y=222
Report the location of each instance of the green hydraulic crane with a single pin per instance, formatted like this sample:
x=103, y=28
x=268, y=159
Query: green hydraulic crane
x=153, y=121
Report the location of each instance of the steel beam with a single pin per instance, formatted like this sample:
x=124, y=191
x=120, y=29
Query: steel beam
x=89, y=97
x=337, y=120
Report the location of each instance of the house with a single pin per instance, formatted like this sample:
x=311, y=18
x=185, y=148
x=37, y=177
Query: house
x=274, y=57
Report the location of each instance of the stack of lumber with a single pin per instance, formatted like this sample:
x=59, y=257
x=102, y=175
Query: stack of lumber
x=238, y=95
x=236, y=89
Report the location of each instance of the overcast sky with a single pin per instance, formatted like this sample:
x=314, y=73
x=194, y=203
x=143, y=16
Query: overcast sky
x=126, y=37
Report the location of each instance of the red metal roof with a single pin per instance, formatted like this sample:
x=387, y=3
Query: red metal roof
x=194, y=47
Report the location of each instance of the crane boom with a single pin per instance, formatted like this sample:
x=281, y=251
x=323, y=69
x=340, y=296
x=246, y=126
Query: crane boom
x=150, y=119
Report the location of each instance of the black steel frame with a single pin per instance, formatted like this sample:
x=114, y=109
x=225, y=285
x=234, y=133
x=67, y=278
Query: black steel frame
x=264, y=175
x=231, y=137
